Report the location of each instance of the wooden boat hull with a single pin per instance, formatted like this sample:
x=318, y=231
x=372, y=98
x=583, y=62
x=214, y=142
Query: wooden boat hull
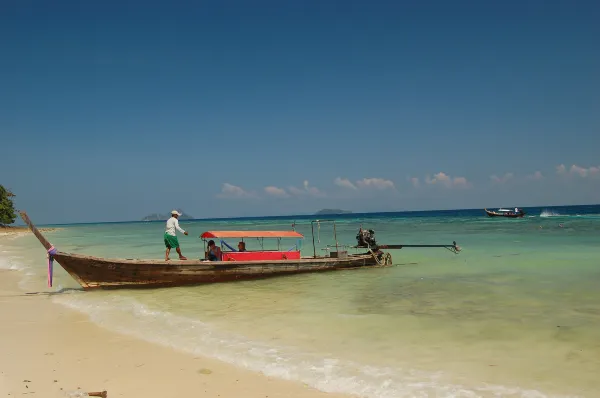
x=510, y=215
x=93, y=273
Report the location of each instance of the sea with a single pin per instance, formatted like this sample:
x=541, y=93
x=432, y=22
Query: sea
x=515, y=314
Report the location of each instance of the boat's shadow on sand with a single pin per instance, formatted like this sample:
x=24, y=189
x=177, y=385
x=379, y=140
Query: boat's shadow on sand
x=37, y=294
x=61, y=291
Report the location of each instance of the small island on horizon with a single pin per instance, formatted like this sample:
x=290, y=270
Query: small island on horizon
x=164, y=217
x=332, y=211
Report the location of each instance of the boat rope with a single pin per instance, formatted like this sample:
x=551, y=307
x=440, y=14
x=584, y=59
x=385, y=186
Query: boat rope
x=454, y=249
x=386, y=260
x=374, y=256
x=51, y=252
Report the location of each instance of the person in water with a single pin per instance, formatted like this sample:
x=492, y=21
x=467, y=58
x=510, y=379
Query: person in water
x=214, y=252
x=171, y=241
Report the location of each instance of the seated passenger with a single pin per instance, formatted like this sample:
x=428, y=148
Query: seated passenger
x=242, y=246
x=214, y=252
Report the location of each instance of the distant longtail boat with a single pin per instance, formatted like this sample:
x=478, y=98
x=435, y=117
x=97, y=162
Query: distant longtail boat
x=517, y=213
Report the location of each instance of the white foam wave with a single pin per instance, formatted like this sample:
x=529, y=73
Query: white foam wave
x=129, y=317
x=11, y=262
x=550, y=213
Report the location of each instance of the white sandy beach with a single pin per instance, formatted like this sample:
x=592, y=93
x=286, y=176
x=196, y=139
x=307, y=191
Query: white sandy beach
x=48, y=350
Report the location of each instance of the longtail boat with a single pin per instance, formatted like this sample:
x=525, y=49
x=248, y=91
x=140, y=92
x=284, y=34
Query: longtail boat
x=516, y=213
x=104, y=273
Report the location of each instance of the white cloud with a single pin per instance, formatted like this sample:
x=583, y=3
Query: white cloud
x=277, y=192
x=575, y=170
x=311, y=190
x=444, y=179
x=583, y=172
x=232, y=191
x=501, y=180
x=439, y=178
x=460, y=182
x=415, y=181
x=296, y=191
x=344, y=183
x=536, y=176
x=376, y=183
x=306, y=190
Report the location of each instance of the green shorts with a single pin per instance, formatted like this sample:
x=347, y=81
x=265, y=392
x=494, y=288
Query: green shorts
x=171, y=242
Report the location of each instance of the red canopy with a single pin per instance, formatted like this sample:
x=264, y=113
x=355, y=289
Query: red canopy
x=251, y=234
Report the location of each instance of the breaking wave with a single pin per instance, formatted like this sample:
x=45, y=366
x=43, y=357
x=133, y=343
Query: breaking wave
x=550, y=213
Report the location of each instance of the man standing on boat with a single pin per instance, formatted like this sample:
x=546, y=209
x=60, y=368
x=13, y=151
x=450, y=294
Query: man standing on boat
x=171, y=240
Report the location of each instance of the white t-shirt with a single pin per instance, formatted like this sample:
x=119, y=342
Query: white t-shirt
x=172, y=224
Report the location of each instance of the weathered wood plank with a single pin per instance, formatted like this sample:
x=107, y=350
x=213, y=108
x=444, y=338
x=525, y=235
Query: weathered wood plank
x=93, y=272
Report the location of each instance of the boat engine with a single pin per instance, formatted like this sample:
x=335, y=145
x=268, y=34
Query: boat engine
x=366, y=238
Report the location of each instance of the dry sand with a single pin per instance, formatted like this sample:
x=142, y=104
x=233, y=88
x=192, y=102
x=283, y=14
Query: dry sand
x=47, y=350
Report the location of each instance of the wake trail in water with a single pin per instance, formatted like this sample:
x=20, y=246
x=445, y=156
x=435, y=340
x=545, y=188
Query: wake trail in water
x=551, y=213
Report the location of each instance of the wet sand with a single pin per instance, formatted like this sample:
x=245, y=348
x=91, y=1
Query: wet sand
x=51, y=351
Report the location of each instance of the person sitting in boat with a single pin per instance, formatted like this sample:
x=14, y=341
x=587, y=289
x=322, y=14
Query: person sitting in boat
x=242, y=246
x=214, y=252
x=170, y=237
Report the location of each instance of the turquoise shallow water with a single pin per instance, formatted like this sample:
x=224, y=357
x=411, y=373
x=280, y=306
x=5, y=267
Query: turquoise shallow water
x=516, y=314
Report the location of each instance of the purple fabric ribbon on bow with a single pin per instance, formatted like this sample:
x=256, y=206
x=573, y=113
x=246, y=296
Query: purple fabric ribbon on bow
x=51, y=252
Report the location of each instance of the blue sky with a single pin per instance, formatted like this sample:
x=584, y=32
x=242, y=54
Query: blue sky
x=113, y=110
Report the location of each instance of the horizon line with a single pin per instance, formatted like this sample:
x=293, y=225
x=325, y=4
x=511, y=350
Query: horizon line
x=303, y=215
